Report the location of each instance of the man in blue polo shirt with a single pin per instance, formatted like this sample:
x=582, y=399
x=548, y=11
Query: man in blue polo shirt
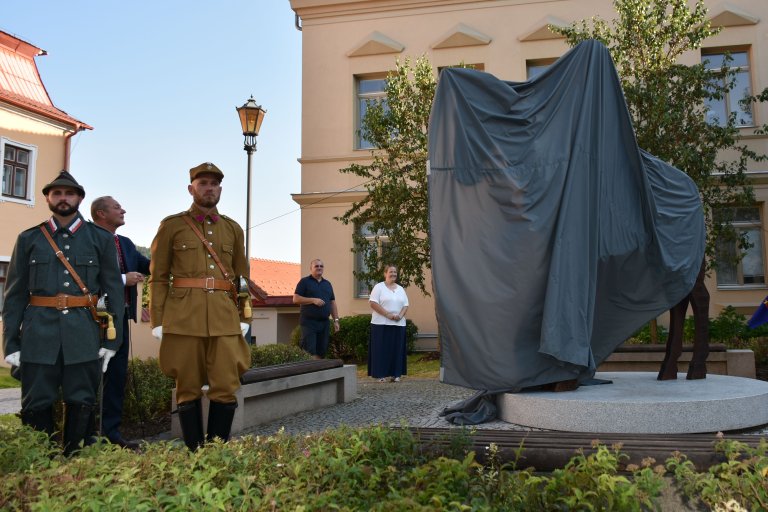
x=315, y=296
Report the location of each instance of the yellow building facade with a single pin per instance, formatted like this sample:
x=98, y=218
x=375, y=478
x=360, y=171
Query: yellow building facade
x=350, y=45
x=34, y=144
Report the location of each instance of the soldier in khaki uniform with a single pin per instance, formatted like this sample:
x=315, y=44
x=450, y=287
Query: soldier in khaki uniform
x=193, y=309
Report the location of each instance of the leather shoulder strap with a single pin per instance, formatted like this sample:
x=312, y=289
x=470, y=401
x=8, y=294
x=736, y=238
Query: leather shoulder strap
x=59, y=254
x=208, y=246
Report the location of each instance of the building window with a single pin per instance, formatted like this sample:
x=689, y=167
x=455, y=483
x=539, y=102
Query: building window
x=18, y=171
x=382, y=247
x=535, y=67
x=750, y=270
x=3, y=277
x=718, y=110
x=368, y=90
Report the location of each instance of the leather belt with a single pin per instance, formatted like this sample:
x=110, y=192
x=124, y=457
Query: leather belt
x=63, y=301
x=206, y=283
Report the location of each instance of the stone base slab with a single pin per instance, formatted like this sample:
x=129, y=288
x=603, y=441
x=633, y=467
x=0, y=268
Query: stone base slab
x=270, y=400
x=638, y=403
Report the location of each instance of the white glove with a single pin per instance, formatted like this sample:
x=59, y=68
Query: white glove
x=244, y=328
x=157, y=332
x=107, y=355
x=13, y=359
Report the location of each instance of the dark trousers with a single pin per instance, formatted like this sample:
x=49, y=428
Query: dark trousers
x=114, y=387
x=40, y=383
x=315, y=336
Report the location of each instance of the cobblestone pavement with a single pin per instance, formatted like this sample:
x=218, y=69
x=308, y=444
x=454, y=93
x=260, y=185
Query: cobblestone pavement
x=412, y=402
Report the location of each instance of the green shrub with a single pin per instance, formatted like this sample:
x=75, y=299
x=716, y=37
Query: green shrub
x=267, y=355
x=351, y=342
x=742, y=478
x=147, y=392
x=643, y=335
x=375, y=468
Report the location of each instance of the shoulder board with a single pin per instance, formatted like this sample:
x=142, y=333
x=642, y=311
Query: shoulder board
x=175, y=215
x=230, y=219
x=36, y=227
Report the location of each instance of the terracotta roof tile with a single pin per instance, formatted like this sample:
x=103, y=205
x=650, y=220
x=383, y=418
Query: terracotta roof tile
x=276, y=278
x=20, y=82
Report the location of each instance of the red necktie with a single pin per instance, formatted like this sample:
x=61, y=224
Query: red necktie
x=120, y=259
x=121, y=262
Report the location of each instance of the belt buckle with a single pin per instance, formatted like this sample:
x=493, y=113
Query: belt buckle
x=210, y=288
x=61, y=302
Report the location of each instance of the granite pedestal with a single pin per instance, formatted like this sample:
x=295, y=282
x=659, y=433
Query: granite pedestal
x=638, y=403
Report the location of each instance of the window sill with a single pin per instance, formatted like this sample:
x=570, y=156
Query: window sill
x=741, y=287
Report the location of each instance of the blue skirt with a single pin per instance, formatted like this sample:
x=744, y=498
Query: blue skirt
x=386, y=351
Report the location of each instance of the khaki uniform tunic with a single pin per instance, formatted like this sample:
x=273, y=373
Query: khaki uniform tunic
x=202, y=341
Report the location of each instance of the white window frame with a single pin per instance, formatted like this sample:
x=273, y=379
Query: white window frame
x=31, y=171
x=707, y=54
x=359, y=262
x=741, y=225
x=360, y=143
x=540, y=65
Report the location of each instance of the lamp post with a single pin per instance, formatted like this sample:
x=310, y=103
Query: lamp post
x=251, y=116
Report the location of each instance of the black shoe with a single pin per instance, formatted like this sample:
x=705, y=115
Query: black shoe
x=191, y=421
x=77, y=426
x=128, y=445
x=220, y=416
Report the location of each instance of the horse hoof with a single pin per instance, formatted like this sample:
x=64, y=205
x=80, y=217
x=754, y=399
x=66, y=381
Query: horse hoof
x=566, y=385
x=696, y=372
x=667, y=373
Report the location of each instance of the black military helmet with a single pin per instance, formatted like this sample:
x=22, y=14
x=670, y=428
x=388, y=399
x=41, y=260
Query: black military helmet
x=64, y=179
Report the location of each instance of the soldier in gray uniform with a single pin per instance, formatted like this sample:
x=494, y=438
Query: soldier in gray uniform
x=50, y=328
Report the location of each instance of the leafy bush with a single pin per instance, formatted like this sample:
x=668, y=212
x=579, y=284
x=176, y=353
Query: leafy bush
x=375, y=468
x=147, y=392
x=351, y=342
x=741, y=479
x=267, y=355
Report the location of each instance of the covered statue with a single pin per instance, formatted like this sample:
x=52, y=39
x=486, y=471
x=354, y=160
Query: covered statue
x=554, y=237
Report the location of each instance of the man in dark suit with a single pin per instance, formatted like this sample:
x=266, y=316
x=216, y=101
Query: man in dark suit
x=107, y=213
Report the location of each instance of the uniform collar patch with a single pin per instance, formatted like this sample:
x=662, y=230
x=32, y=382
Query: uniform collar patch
x=214, y=218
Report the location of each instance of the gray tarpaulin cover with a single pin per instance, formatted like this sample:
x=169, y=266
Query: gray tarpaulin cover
x=553, y=236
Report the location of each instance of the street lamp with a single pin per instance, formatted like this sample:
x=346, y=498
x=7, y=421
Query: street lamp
x=251, y=116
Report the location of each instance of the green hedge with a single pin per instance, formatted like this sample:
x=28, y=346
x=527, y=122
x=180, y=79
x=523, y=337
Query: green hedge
x=376, y=468
x=351, y=342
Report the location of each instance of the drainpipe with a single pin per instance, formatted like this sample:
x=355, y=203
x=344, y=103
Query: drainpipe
x=298, y=23
x=68, y=142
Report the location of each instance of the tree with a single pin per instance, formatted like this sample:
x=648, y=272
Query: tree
x=395, y=209
x=668, y=102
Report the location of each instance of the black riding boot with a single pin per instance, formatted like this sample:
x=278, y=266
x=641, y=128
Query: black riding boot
x=40, y=419
x=77, y=426
x=220, y=417
x=191, y=420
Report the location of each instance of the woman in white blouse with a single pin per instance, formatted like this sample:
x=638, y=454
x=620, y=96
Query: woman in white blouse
x=387, y=349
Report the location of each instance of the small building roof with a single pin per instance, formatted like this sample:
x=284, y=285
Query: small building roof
x=20, y=82
x=276, y=280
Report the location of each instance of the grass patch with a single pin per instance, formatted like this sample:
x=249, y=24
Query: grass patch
x=6, y=381
x=420, y=366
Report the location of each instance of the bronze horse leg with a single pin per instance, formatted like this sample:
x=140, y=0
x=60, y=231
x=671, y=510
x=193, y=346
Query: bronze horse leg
x=699, y=300
x=700, y=303
x=674, y=347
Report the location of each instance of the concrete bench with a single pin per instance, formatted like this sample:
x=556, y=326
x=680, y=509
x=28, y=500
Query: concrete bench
x=648, y=358
x=269, y=393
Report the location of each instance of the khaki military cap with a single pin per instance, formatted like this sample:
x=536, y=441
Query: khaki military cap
x=64, y=179
x=206, y=168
